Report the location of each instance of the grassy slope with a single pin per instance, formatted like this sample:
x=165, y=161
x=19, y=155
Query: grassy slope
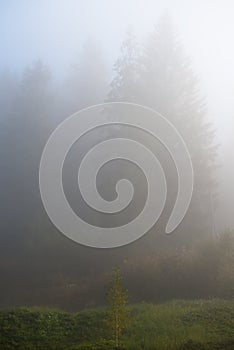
x=173, y=325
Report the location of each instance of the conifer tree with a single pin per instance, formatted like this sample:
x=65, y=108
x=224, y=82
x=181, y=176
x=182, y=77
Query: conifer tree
x=117, y=299
x=163, y=80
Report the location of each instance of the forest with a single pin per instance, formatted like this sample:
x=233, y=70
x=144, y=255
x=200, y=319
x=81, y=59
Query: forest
x=184, y=277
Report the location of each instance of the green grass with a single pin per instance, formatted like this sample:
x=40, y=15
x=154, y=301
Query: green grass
x=175, y=325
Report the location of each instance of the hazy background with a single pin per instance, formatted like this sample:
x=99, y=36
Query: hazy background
x=54, y=31
x=60, y=56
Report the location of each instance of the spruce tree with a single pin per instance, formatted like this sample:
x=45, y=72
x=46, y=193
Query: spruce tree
x=164, y=80
x=125, y=82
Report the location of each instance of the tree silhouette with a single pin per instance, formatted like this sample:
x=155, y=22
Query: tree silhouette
x=161, y=77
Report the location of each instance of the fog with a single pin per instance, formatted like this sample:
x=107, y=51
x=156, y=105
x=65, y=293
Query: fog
x=58, y=57
x=55, y=31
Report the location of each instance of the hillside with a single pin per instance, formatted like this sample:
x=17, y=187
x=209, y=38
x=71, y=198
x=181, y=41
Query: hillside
x=176, y=325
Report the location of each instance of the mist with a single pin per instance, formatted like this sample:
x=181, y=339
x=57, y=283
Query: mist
x=59, y=57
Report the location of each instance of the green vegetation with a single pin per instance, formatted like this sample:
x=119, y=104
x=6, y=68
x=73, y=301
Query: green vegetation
x=176, y=325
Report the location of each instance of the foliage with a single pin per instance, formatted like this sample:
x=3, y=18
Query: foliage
x=202, y=271
x=176, y=325
x=117, y=298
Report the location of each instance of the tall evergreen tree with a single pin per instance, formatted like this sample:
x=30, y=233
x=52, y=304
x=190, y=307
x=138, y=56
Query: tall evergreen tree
x=125, y=82
x=26, y=134
x=163, y=80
